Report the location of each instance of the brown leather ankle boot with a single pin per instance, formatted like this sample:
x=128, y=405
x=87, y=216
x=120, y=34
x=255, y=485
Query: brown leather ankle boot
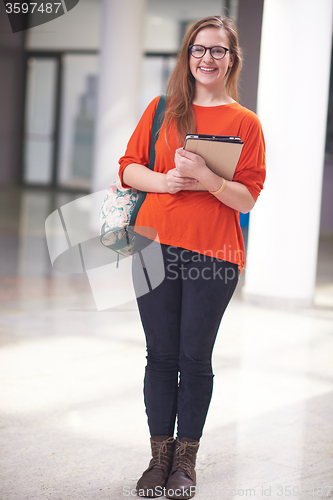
x=154, y=478
x=182, y=480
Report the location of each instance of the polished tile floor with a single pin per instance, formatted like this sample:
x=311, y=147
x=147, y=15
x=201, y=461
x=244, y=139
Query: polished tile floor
x=72, y=422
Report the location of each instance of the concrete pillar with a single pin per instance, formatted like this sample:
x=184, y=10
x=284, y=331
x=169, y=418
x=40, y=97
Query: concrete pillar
x=119, y=85
x=292, y=106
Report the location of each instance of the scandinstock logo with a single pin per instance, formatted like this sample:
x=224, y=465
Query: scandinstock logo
x=25, y=15
x=74, y=244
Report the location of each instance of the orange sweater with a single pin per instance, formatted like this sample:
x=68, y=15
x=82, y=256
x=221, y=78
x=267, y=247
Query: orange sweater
x=197, y=220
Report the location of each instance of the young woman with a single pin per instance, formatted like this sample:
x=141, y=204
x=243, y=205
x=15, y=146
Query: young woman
x=201, y=242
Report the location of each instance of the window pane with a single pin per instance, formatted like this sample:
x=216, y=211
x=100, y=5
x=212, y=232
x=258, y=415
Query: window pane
x=78, y=116
x=39, y=122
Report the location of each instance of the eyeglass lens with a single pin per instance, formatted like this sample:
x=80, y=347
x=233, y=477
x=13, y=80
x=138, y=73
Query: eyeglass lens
x=199, y=51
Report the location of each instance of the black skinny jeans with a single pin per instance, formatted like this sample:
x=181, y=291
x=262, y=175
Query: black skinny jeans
x=181, y=318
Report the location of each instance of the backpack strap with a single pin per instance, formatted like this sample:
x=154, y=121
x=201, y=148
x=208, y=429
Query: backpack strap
x=157, y=123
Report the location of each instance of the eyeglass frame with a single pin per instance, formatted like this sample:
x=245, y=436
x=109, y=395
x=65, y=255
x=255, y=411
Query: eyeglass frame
x=210, y=50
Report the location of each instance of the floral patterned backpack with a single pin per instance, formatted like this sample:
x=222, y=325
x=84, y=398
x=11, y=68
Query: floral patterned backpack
x=121, y=206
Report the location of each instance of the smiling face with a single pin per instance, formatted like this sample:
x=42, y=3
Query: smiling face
x=207, y=71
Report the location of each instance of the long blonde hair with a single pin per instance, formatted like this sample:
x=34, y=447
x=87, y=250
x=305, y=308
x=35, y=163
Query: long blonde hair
x=180, y=90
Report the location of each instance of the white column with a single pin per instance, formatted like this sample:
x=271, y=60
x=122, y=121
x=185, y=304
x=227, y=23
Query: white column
x=119, y=85
x=292, y=106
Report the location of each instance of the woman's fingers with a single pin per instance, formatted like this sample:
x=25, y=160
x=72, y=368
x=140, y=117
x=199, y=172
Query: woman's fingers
x=186, y=180
x=188, y=163
x=186, y=154
x=176, y=175
x=176, y=182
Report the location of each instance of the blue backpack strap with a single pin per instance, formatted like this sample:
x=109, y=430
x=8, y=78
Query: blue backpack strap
x=157, y=123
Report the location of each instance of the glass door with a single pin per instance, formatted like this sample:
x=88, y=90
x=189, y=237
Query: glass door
x=40, y=120
x=77, y=123
x=60, y=114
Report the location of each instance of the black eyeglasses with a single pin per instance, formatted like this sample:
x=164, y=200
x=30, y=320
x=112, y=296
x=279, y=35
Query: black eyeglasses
x=216, y=52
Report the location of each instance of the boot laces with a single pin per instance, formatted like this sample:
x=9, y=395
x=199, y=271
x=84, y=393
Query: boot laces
x=184, y=457
x=160, y=449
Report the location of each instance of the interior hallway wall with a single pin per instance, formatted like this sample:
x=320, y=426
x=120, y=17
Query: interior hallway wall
x=12, y=70
x=249, y=29
x=326, y=220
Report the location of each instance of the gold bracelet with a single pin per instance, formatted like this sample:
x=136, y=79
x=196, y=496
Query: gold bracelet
x=224, y=183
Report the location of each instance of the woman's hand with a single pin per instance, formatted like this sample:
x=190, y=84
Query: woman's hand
x=190, y=164
x=175, y=181
x=235, y=195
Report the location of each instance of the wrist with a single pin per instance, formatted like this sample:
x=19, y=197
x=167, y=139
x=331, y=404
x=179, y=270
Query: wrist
x=223, y=185
x=164, y=184
x=211, y=181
